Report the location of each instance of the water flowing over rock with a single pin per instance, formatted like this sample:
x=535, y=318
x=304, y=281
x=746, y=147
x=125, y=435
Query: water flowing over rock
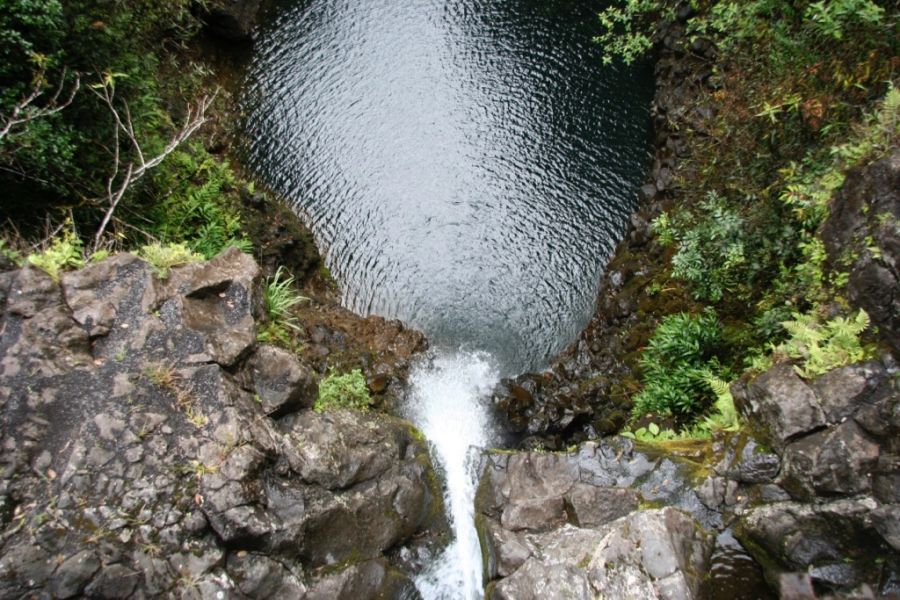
x=140, y=456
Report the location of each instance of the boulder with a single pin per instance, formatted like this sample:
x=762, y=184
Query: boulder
x=838, y=460
x=279, y=381
x=647, y=554
x=779, y=405
x=834, y=542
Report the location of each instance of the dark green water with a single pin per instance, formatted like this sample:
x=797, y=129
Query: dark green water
x=468, y=166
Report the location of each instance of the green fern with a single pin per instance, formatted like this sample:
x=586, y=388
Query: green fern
x=163, y=257
x=65, y=252
x=824, y=346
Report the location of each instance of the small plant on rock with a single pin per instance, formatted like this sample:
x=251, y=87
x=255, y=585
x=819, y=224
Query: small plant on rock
x=281, y=298
x=163, y=257
x=65, y=252
x=824, y=346
x=347, y=390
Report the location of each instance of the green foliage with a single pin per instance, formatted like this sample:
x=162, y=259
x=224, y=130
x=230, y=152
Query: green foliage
x=677, y=365
x=163, y=257
x=281, y=297
x=712, y=240
x=195, y=210
x=627, y=29
x=348, y=390
x=65, y=252
x=832, y=18
x=823, y=346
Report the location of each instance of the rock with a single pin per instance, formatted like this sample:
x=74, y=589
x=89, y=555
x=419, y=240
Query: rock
x=113, y=582
x=281, y=383
x=867, y=207
x=73, y=575
x=648, y=554
x=886, y=520
x=839, y=460
x=841, y=391
x=796, y=586
x=231, y=19
x=651, y=554
x=129, y=424
x=834, y=542
x=258, y=576
x=363, y=581
x=778, y=405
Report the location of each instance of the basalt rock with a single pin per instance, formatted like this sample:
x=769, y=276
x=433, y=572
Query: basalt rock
x=542, y=519
x=138, y=457
x=231, y=19
x=862, y=225
x=647, y=554
x=837, y=440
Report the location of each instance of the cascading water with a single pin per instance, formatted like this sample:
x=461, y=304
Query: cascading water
x=449, y=402
x=467, y=166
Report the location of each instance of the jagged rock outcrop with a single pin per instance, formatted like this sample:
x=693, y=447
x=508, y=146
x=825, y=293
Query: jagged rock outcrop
x=139, y=456
x=570, y=525
x=838, y=437
x=861, y=238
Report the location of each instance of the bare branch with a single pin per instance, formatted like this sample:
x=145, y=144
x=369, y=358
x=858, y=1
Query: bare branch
x=126, y=174
x=24, y=111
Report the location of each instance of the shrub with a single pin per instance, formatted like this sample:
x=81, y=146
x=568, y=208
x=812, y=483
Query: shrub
x=712, y=247
x=677, y=365
x=65, y=252
x=162, y=257
x=823, y=346
x=343, y=391
x=196, y=209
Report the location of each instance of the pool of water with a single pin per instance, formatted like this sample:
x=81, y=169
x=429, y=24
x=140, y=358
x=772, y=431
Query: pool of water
x=467, y=166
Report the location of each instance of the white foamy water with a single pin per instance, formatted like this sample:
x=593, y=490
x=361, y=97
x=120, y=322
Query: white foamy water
x=450, y=403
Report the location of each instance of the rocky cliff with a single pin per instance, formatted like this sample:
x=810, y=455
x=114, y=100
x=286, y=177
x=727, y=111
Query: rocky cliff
x=151, y=447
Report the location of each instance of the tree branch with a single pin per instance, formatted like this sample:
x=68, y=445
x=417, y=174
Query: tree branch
x=24, y=111
x=133, y=170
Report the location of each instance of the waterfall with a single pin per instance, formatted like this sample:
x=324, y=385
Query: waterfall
x=450, y=402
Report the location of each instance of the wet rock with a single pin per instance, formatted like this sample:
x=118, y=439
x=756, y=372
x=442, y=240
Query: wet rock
x=280, y=381
x=834, y=542
x=779, y=405
x=231, y=19
x=839, y=460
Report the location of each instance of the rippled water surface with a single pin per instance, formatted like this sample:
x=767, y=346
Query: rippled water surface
x=467, y=165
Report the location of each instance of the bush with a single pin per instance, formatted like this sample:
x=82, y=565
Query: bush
x=677, y=365
x=343, y=391
x=823, y=346
x=712, y=254
x=65, y=252
x=163, y=257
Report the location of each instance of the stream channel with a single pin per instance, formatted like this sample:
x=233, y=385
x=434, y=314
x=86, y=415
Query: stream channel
x=467, y=167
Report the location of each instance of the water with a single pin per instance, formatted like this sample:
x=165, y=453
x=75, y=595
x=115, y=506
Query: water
x=467, y=166
x=448, y=403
